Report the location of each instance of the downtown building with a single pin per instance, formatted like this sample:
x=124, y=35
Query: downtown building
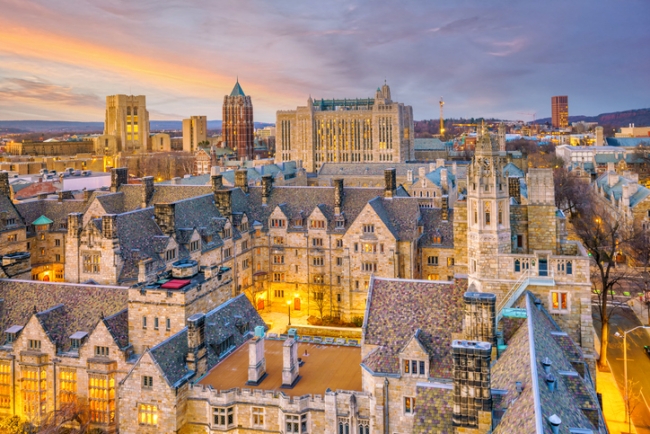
x=237, y=128
x=346, y=131
x=127, y=120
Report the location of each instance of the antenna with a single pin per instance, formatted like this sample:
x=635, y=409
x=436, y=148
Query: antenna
x=442, y=120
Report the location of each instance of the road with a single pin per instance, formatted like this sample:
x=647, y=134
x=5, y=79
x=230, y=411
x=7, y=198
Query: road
x=638, y=367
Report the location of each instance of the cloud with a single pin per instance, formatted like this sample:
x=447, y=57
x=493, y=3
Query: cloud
x=42, y=92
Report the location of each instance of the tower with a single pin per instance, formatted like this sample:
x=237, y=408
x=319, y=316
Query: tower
x=195, y=132
x=127, y=119
x=237, y=127
x=488, y=212
x=560, y=111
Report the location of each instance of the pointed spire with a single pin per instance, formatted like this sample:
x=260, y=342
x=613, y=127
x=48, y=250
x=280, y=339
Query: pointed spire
x=237, y=90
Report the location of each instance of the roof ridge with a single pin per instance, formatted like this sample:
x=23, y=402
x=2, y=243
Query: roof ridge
x=533, y=369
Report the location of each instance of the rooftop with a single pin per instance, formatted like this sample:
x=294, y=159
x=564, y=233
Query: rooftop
x=326, y=366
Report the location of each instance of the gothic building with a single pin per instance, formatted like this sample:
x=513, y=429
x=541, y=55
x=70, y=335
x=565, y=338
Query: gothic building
x=237, y=123
x=346, y=131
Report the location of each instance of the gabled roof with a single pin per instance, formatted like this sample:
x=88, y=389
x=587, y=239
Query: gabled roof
x=237, y=90
x=511, y=170
x=52, y=209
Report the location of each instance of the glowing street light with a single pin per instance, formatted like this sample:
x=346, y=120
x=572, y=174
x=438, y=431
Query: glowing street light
x=289, y=310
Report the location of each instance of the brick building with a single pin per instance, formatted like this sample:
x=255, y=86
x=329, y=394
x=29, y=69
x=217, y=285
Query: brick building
x=237, y=123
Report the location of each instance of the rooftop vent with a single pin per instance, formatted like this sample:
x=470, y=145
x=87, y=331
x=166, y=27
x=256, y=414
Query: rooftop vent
x=546, y=364
x=185, y=268
x=555, y=423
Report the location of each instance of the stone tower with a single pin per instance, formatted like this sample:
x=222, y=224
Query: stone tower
x=488, y=210
x=127, y=119
x=237, y=128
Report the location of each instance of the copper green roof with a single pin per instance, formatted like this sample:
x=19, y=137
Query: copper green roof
x=237, y=90
x=42, y=220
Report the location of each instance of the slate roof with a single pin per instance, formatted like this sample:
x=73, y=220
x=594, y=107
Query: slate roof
x=163, y=193
x=434, y=226
x=431, y=144
x=372, y=169
x=397, y=308
x=511, y=169
x=220, y=323
x=433, y=408
x=616, y=190
x=63, y=308
x=52, y=209
x=6, y=206
x=400, y=215
x=628, y=141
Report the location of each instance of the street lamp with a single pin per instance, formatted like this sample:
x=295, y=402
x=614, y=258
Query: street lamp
x=289, y=311
x=625, y=356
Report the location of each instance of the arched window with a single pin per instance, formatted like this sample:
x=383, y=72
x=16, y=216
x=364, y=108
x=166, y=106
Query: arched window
x=517, y=266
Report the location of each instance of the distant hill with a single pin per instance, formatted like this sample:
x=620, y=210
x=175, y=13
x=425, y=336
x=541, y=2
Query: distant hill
x=92, y=127
x=639, y=117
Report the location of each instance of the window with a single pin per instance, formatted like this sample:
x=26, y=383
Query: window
x=318, y=296
x=147, y=381
x=278, y=241
x=144, y=322
x=278, y=259
x=500, y=213
x=381, y=248
x=11, y=221
x=370, y=248
x=57, y=243
x=277, y=223
x=432, y=260
x=295, y=423
x=278, y=277
x=450, y=262
x=344, y=425
x=369, y=267
x=34, y=344
x=279, y=293
x=155, y=323
x=318, y=278
x=520, y=241
x=67, y=385
x=364, y=427
x=244, y=245
x=569, y=267
x=559, y=300
x=245, y=264
x=168, y=324
x=42, y=252
x=42, y=237
x=339, y=261
x=258, y=417
x=148, y=414
x=317, y=224
x=225, y=346
x=57, y=258
x=101, y=351
x=101, y=399
x=227, y=253
x=34, y=390
x=227, y=232
x=356, y=247
x=318, y=261
x=5, y=384
x=339, y=244
x=12, y=237
x=223, y=417
x=194, y=246
x=317, y=242
x=356, y=284
x=409, y=405
x=170, y=254
x=433, y=276
x=244, y=227
x=368, y=229
x=413, y=367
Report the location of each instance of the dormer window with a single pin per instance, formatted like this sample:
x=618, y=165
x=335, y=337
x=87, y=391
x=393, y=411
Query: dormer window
x=317, y=224
x=77, y=340
x=298, y=222
x=170, y=254
x=244, y=227
x=277, y=223
x=227, y=233
x=340, y=224
x=11, y=334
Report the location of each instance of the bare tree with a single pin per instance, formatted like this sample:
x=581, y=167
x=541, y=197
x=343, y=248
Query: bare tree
x=321, y=299
x=571, y=193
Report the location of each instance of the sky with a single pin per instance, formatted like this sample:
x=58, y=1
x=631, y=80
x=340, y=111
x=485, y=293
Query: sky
x=59, y=59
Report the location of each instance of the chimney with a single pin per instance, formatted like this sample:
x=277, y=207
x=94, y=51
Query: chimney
x=142, y=271
x=444, y=204
x=471, y=372
x=555, y=423
x=75, y=224
x=147, y=190
x=625, y=197
x=267, y=186
x=5, y=190
x=502, y=137
x=444, y=183
x=338, y=195
x=223, y=201
x=217, y=179
x=241, y=179
x=119, y=177
x=256, y=361
x=165, y=217
x=432, y=167
x=290, y=364
x=60, y=198
x=108, y=226
x=409, y=175
x=479, y=322
x=196, y=358
x=514, y=188
x=389, y=178
x=440, y=162
x=88, y=194
x=422, y=171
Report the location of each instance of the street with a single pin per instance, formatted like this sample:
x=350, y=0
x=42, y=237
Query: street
x=621, y=320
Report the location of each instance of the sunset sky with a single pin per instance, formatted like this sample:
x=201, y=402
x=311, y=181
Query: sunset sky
x=60, y=58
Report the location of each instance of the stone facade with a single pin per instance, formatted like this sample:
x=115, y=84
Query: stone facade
x=127, y=119
x=369, y=130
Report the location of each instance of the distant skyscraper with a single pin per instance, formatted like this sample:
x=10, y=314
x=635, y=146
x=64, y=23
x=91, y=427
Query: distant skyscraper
x=560, y=111
x=195, y=131
x=237, y=127
x=127, y=119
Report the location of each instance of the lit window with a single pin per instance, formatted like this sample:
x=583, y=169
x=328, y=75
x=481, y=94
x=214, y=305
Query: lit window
x=409, y=405
x=148, y=414
x=101, y=398
x=67, y=385
x=258, y=416
x=559, y=300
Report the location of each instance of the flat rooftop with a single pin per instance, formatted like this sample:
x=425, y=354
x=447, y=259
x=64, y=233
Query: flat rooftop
x=326, y=366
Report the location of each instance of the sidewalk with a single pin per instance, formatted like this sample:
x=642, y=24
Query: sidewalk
x=613, y=404
x=278, y=321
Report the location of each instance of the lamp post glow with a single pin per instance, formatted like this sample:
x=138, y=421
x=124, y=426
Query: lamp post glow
x=289, y=310
x=625, y=360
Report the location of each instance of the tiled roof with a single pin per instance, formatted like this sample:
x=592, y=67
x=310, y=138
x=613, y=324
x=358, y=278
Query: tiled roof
x=118, y=326
x=36, y=189
x=432, y=144
x=400, y=215
x=52, y=209
x=433, y=408
x=12, y=213
x=397, y=308
x=220, y=323
x=63, y=308
x=435, y=227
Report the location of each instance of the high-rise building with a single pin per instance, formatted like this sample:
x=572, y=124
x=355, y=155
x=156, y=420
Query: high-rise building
x=127, y=119
x=560, y=111
x=237, y=127
x=346, y=131
x=195, y=131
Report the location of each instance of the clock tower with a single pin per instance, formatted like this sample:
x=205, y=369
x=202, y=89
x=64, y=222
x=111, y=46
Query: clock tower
x=488, y=210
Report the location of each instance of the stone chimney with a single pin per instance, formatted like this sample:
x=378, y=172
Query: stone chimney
x=256, y=361
x=440, y=162
x=599, y=136
x=142, y=271
x=454, y=168
x=612, y=176
x=267, y=187
x=409, y=175
x=444, y=182
x=390, y=182
x=75, y=224
x=502, y=137
x=119, y=177
x=290, y=364
x=88, y=194
x=479, y=322
x=165, y=216
x=147, y=190
x=217, y=180
x=108, y=226
x=514, y=188
x=5, y=190
x=196, y=358
x=223, y=202
x=338, y=195
x=241, y=179
x=471, y=372
x=432, y=167
x=541, y=190
x=444, y=204
x=422, y=171
x=625, y=196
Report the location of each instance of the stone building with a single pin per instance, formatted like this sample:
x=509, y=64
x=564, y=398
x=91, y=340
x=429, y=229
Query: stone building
x=127, y=119
x=52, y=148
x=346, y=131
x=237, y=123
x=195, y=133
